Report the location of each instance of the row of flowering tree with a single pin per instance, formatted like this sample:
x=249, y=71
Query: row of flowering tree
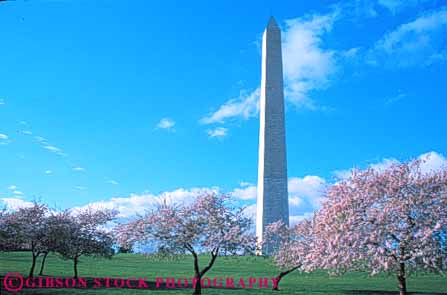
x=69, y=234
x=392, y=220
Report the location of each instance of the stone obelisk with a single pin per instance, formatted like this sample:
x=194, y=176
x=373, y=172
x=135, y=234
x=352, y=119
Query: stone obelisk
x=272, y=202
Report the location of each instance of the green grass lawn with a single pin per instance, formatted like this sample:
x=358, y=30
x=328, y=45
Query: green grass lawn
x=134, y=265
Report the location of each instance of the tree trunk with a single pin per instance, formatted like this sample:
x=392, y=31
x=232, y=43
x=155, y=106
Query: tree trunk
x=198, y=287
x=402, y=280
x=43, y=263
x=33, y=265
x=280, y=276
x=75, y=267
x=198, y=274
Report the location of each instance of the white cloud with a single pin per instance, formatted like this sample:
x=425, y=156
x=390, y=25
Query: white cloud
x=392, y=5
x=218, y=132
x=80, y=188
x=13, y=204
x=250, y=212
x=139, y=204
x=432, y=161
x=305, y=196
x=40, y=138
x=307, y=65
x=54, y=149
x=245, y=192
x=79, y=169
x=295, y=201
x=244, y=183
x=351, y=53
x=110, y=181
x=384, y=164
x=360, y=8
x=342, y=174
x=18, y=193
x=294, y=219
x=396, y=5
x=378, y=166
x=48, y=172
x=309, y=189
x=166, y=123
x=419, y=42
x=305, y=193
x=27, y=132
x=244, y=107
x=395, y=98
x=3, y=136
x=2, y=102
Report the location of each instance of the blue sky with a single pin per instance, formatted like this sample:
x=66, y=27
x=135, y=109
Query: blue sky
x=119, y=102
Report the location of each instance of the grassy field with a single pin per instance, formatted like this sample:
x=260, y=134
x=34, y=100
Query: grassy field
x=135, y=266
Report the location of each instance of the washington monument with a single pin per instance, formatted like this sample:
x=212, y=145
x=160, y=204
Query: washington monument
x=272, y=202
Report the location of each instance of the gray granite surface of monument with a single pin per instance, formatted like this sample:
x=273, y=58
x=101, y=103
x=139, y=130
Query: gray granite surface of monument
x=272, y=200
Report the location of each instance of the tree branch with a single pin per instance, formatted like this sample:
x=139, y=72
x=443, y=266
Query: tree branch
x=214, y=254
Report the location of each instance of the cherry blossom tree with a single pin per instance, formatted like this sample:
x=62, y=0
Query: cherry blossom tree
x=210, y=224
x=25, y=229
x=393, y=220
x=41, y=231
x=55, y=224
x=294, y=247
x=6, y=241
x=83, y=234
x=5, y=236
